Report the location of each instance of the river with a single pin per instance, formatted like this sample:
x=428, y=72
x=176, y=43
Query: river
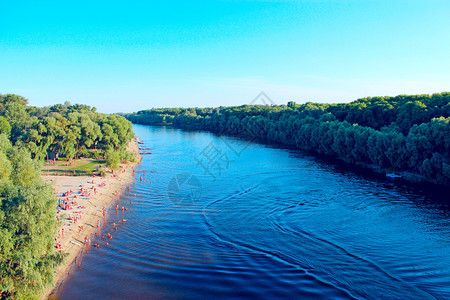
x=218, y=217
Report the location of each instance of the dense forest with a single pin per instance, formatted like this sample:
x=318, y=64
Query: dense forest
x=28, y=135
x=403, y=133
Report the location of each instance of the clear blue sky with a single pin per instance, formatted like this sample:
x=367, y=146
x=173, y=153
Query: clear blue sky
x=132, y=55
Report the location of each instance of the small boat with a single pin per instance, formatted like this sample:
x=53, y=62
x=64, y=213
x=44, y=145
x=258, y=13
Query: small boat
x=78, y=244
x=145, y=153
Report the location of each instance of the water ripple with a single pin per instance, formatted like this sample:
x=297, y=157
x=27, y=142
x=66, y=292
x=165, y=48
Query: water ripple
x=276, y=224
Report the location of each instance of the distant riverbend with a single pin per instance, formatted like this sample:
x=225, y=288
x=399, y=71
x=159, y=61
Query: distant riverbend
x=214, y=217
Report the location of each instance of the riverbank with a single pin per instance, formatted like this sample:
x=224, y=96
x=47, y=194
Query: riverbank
x=90, y=196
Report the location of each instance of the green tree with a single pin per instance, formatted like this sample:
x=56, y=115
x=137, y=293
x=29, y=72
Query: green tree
x=112, y=159
x=5, y=127
x=27, y=227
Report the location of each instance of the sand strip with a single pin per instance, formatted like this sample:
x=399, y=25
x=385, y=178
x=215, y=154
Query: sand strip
x=91, y=196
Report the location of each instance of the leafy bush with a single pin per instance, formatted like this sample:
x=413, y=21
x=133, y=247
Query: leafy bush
x=113, y=159
x=127, y=156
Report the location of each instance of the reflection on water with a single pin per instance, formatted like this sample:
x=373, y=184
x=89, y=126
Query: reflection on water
x=272, y=223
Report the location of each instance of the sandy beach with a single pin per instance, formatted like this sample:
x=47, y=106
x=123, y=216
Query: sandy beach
x=90, y=196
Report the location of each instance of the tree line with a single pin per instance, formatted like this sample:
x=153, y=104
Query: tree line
x=68, y=130
x=28, y=135
x=402, y=133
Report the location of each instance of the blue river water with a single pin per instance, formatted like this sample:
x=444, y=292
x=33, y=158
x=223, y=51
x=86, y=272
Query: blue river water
x=218, y=217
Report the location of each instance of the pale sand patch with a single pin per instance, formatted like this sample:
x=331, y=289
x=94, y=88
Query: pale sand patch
x=90, y=208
